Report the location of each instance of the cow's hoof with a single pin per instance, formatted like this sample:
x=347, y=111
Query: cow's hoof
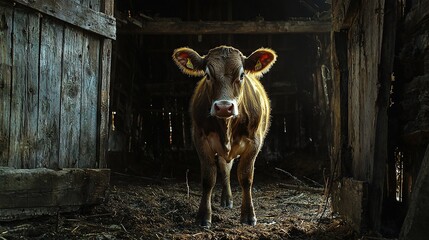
x=205, y=223
x=249, y=221
x=227, y=204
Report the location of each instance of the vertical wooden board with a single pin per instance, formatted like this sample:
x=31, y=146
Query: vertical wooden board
x=365, y=60
x=89, y=100
x=51, y=43
x=18, y=88
x=70, y=98
x=104, y=89
x=6, y=27
x=19, y=118
x=32, y=90
x=350, y=199
x=24, y=89
x=354, y=100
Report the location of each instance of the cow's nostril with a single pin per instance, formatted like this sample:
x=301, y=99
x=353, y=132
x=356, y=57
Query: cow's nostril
x=216, y=107
x=231, y=107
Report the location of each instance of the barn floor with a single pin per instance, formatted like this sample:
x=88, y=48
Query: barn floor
x=140, y=208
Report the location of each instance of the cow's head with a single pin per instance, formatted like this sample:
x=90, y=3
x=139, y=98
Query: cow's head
x=225, y=70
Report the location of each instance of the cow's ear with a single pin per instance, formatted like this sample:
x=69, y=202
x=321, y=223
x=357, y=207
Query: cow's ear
x=260, y=61
x=189, y=61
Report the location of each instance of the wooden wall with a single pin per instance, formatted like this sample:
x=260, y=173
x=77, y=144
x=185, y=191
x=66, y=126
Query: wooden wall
x=364, y=39
x=54, y=82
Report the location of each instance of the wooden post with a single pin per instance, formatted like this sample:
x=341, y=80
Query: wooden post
x=5, y=81
x=104, y=107
x=382, y=104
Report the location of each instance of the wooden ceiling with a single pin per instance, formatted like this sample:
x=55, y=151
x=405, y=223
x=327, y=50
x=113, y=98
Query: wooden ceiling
x=222, y=17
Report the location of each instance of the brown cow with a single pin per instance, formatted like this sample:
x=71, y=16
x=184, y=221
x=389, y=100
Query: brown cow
x=230, y=114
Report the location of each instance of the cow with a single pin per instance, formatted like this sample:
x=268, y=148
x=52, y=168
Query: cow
x=230, y=116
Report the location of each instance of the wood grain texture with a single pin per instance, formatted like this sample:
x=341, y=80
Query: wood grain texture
x=51, y=49
x=32, y=93
x=370, y=30
x=350, y=198
x=230, y=27
x=71, y=98
x=104, y=90
x=24, y=99
x=89, y=100
x=23, y=196
x=51, y=88
x=6, y=14
x=75, y=14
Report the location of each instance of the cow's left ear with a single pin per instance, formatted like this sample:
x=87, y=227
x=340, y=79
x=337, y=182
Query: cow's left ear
x=189, y=61
x=260, y=61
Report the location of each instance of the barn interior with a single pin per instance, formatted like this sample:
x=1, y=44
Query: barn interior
x=103, y=121
x=150, y=96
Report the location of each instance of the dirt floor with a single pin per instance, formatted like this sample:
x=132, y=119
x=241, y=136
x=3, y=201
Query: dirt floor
x=140, y=208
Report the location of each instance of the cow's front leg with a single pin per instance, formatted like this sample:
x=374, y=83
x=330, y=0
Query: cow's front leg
x=225, y=172
x=245, y=177
x=208, y=180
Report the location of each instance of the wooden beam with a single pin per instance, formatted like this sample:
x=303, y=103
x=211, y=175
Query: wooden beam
x=75, y=14
x=25, y=193
x=229, y=27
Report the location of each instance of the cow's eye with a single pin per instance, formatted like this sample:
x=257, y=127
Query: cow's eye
x=241, y=76
x=208, y=77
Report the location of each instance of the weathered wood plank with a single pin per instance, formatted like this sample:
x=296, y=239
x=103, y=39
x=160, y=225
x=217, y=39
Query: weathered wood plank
x=382, y=104
x=75, y=14
x=350, y=199
x=104, y=90
x=6, y=14
x=344, y=12
x=32, y=90
x=18, y=88
x=365, y=39
x=71, y=98
x=24, y=100
x=230, y=27
x=51, y=45
x=370, y=53
x=90, y=78
x=22, y=195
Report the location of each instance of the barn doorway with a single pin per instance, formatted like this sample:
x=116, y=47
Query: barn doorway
x=150, y=97
x=150, y=135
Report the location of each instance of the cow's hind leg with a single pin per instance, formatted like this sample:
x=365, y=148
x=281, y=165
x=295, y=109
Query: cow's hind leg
x=225, y=171
x=245, y=177
x=208, y=180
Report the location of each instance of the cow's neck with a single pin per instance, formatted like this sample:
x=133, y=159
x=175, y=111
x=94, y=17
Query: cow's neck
x=226, y=132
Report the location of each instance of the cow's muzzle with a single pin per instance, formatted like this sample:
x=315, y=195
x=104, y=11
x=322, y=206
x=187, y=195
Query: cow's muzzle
x=224, y=108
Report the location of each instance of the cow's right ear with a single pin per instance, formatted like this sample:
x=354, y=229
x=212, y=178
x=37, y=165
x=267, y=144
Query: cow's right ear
x=189, y=61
